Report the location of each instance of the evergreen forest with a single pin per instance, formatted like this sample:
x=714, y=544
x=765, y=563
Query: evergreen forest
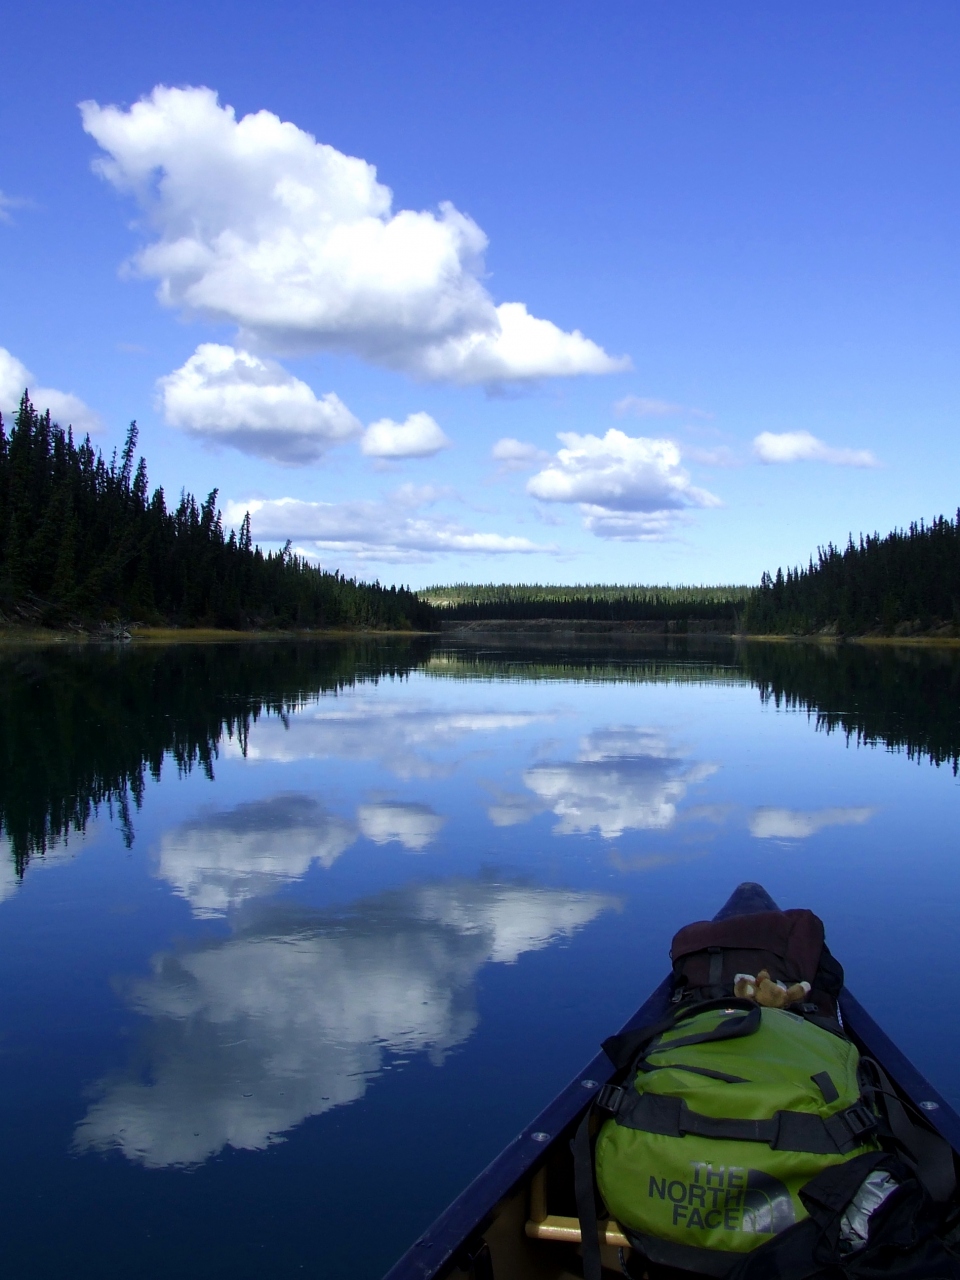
x=906, y=582
x=82, y=540
x=464, y=602
x=84, y=543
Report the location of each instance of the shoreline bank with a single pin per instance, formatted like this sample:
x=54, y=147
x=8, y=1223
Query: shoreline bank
x=193, y=635
x=522, y=631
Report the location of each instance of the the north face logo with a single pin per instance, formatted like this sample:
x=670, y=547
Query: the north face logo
x=767, y=1207
x=726, y=1198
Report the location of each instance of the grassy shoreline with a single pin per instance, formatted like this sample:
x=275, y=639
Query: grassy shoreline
x=194, y=635
x=27, y=635
x=915, y=641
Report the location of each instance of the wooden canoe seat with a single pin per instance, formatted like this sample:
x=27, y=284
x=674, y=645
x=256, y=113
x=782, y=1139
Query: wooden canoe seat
x=543, y=1225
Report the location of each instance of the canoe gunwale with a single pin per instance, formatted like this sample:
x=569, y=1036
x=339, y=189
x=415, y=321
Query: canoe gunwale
x=436, y=1250
x=873, y=1041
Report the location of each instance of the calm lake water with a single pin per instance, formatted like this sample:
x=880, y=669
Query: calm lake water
x=294, y=937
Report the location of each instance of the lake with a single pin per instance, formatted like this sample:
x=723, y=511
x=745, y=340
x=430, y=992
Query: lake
x=295, y=936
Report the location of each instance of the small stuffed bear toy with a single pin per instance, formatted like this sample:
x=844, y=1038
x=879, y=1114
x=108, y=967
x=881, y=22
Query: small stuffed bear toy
x=766, y=992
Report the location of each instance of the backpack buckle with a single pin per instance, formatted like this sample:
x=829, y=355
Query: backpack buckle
x=610, y=1098
x=859, y=1120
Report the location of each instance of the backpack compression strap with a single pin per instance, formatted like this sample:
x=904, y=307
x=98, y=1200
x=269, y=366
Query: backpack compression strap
x=622, y=1051
x=584, y=1186
x=785, y=1131
x=929, y=1153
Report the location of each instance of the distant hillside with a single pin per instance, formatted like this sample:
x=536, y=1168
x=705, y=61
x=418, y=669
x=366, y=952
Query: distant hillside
x=905, y=582
x=463, y=602
x=83, y=540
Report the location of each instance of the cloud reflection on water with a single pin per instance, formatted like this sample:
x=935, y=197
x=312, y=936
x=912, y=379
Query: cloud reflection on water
x=412, y=825
x=54, y=855
x=401, y=735
x=513, y=808
x=222, y=859
x=299, y=1010
x=770, y=823
x=624, y=778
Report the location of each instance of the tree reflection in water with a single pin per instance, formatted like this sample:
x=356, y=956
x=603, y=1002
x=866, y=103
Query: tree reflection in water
x=82, y=728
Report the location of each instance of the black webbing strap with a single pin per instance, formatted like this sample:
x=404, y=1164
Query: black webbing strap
x=586, y=1198
x=646, y=1066
x=824, y=1082
x=785, y=1131
x=715, y=972
x=624, y=1049
x=931, y=1155
x=902, y=1240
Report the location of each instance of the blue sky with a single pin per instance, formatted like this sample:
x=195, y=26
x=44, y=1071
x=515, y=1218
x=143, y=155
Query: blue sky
x=632, y=292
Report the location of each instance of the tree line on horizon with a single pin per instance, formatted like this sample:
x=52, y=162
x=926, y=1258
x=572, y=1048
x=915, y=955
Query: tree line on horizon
x=468, y=602
x=81, y=539
x=907, y=581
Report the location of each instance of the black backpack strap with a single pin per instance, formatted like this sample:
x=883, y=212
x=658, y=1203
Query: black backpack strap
x=902, y=1234
x=715, y=973
x=931, y=1155
x=838, y=1134
x=808, y=1248
x=586, y=1198
x=622, y=1050
x=645, y=1066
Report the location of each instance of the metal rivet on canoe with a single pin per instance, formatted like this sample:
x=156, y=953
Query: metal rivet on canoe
x=539, y=1136
x=930, y=1106
x=589, y=1084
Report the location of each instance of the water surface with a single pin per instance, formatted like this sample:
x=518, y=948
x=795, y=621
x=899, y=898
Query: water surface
x=295, y=936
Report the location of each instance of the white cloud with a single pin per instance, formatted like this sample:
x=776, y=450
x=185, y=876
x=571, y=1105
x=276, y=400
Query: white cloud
x=626, y=486
x=516, y=455
x=623, y=779
x=223, y=859
x=379, y=531
x=412, y=825
x=630, y=526
x=411, y=739
x=65, y=408
x=801, y=446
x=519, y=348
x=419, y=436
x=298, y=1012
x=797, y=824
x=257, y=223
x=231, y=397
x=10, y=202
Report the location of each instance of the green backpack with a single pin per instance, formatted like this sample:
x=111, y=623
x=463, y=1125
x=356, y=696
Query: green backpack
x=725, y=1112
